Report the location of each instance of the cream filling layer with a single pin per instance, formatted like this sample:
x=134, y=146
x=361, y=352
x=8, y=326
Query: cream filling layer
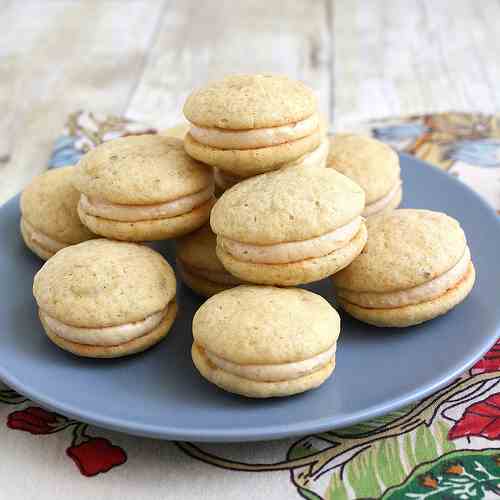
x=134, y=213
x=107, y=336
x=294, y=251
x=316, y=158
x=46, y=242
x=219, y=277
x=381, y=203
x=421, y=293
x=273, y=373
x=254, y=138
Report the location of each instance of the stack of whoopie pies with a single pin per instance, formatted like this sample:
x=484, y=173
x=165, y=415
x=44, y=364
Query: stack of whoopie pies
x=295, y=207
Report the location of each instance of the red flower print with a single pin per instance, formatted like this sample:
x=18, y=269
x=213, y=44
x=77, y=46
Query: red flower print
x=480, y=419
x=92, y=455
x=96, y=455
x=490, y=362
x=35, y=421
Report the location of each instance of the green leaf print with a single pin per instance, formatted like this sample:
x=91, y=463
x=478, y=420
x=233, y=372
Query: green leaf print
x=10, y=397
x=374, y=423
x=361, y=473
x=336, y=489
x=388, y=462
x=425, y=448
x=467, y=475
x=441, y=430
x=308, y=494
x=303, y=448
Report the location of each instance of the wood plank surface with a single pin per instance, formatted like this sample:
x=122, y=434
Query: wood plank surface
x=59, y=56
x=414, y=56
x=142, y=57
x=196, y=44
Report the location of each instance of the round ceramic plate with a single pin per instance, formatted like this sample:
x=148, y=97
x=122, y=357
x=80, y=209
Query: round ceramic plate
x=160, y=394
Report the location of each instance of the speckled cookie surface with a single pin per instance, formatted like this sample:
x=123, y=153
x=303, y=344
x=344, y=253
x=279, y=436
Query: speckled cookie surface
x=199, y=284
x=126, y=349
x=49, y=205
x=198, y=264
x=254, y=389
x=266, y=325
x=368, y=162
x=149, y=230
x=242, y=102
x=36, y=248
x=198, y=249
x=289, y=205
x=405, y=248
x=416, y=313
x=248, y=162
x=140, y=170
x=295, y=273
x=102, y=283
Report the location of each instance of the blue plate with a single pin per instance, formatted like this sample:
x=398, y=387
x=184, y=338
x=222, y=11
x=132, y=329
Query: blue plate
x=160, y=394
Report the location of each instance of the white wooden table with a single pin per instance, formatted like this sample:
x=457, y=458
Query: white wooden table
x=365, y=59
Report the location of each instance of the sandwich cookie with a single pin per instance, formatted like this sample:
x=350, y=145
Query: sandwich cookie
x=49, y=218
x=371, y=164
x=250, y=124
x=198, y=265
x=106, y=299
x=141, y=188
x=289, y=227
x=316, y=158
x=263, y=342
x=416, y=266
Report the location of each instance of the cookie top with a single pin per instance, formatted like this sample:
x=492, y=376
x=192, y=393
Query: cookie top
x=140, y=170
x=49, y=204
x=102, y=283
x=266, y=325
x=242, y=102
x=368, y=162
x=405, y=248
x=197, y=249
x=292, y=204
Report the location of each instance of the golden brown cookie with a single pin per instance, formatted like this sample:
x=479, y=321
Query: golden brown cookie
x=105, y=298
x=265, y=341
x=415, y=266
x=371, y=164
x=49, y=220
x=289, y=227
x=141, y=188
x=198, y=265
x=250, y=124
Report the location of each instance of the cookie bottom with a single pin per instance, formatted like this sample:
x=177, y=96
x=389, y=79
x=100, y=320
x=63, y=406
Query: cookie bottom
x=148, y=230
x=38, y=250
x=132, y=347
x=249, y=162
x=253, y=389
x=416, y=313
x=295, y=273
x=199, y=284
x=394, y=203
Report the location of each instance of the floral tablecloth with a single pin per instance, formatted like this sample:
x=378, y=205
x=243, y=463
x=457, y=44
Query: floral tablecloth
x=446, y=446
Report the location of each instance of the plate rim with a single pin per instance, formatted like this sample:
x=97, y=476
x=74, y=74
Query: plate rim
x=272, y=432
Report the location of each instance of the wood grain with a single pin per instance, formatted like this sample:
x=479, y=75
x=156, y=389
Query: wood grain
x=364, y=59
x=57, y=57
x=196, y=44
x=396, y=58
